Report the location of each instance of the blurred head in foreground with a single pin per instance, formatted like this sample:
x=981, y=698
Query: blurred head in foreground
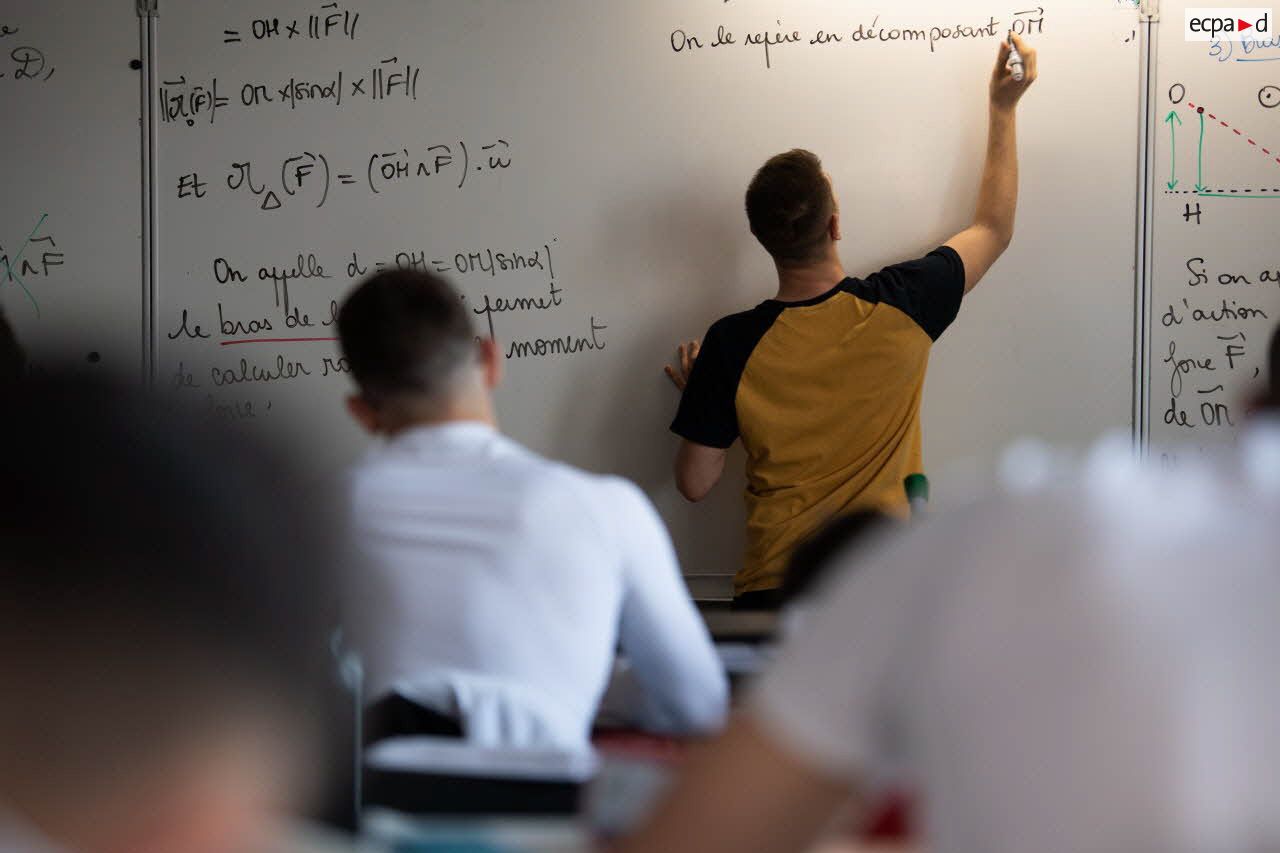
x=823, y=555
x=1273, y=398
x=164, y=600
x=1266, y=403
x=814, y=558
x=12, y=359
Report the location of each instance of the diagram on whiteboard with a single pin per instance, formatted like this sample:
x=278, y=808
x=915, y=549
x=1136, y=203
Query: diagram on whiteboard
x=1215, y=292
x=1213, y=155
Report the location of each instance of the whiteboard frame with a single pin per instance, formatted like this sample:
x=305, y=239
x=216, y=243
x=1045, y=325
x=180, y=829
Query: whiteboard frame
x=1143, y=284
x=150, y=201
x=1148, y=18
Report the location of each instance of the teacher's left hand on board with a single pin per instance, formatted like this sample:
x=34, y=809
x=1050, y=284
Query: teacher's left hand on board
x=688, y=355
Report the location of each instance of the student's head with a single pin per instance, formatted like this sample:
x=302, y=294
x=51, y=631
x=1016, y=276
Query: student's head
x=165, y=604
x=414, y=354
x=1273, y=398
x=12, y=360
x=814, y=557
x=1267, y=401
x=792, y=209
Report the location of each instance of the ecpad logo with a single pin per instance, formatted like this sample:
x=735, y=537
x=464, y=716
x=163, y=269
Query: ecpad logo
x=1228, y=24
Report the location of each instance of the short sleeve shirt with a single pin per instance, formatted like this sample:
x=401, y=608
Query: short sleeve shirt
x=825, y=395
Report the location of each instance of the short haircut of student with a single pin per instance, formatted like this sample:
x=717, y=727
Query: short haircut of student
x=405, y=333
x=1273, y=399
x=160, y=580
x=813, y=559
x=789, y=206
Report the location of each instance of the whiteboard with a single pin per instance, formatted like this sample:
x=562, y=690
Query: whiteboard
x=71, y=222
x=1216, y=265
x=601, y=156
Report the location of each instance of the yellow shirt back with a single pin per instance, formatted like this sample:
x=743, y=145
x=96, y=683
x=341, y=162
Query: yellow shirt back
x=825, y=396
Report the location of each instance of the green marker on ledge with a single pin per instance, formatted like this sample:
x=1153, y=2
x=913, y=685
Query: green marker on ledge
x=917, y=486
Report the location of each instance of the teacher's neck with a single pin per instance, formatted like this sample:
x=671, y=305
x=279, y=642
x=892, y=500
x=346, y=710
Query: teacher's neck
x=809, y=281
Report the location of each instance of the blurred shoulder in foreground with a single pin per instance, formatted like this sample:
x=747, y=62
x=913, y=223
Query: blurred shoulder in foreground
x=1086, y=667
x=166, y=594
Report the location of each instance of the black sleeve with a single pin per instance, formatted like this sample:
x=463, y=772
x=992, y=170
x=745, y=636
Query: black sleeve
x=708, y=413
x=928, y=290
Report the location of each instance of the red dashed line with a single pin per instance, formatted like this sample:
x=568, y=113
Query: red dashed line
x=1266, y=151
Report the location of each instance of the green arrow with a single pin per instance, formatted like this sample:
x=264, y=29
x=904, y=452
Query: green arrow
x=1173, y=136
x=1200, y=159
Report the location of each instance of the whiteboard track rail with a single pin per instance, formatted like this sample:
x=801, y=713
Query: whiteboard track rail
x=1144, y=254
x=150, y=200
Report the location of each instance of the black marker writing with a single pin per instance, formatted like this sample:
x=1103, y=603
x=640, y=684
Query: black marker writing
x=567, y=345
x=246, y=373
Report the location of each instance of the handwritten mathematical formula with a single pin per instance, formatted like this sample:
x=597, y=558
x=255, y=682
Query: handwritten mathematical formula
x=256, y=349
x=35, y=256
x=330, y=22
x=186, y=102
x=312, y=176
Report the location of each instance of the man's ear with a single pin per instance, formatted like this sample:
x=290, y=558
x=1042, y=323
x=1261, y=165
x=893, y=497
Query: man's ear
x=834, y=227
x=364, y=413
x=491, y=363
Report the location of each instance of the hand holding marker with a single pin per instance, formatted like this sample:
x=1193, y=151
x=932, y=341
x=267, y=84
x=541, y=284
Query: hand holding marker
x=1014, y=72
x=1016, y=64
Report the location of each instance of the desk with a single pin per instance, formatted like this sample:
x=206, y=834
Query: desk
x=733, y=626
x=528, y=836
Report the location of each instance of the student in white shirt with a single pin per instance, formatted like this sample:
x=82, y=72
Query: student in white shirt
x=1091, y=668
x=501, y=584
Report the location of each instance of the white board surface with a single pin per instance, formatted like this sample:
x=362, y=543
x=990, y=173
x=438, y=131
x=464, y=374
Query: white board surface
x=572, y=135
x=70, y=224
x=1216, y=270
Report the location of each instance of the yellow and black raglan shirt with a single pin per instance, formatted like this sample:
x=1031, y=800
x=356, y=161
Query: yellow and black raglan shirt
x=825, y=395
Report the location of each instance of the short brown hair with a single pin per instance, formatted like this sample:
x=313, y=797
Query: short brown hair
x=405, y=333
x=789, y=206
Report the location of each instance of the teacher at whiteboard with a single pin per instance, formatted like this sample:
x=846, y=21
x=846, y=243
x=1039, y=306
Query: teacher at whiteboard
x=823, y=382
